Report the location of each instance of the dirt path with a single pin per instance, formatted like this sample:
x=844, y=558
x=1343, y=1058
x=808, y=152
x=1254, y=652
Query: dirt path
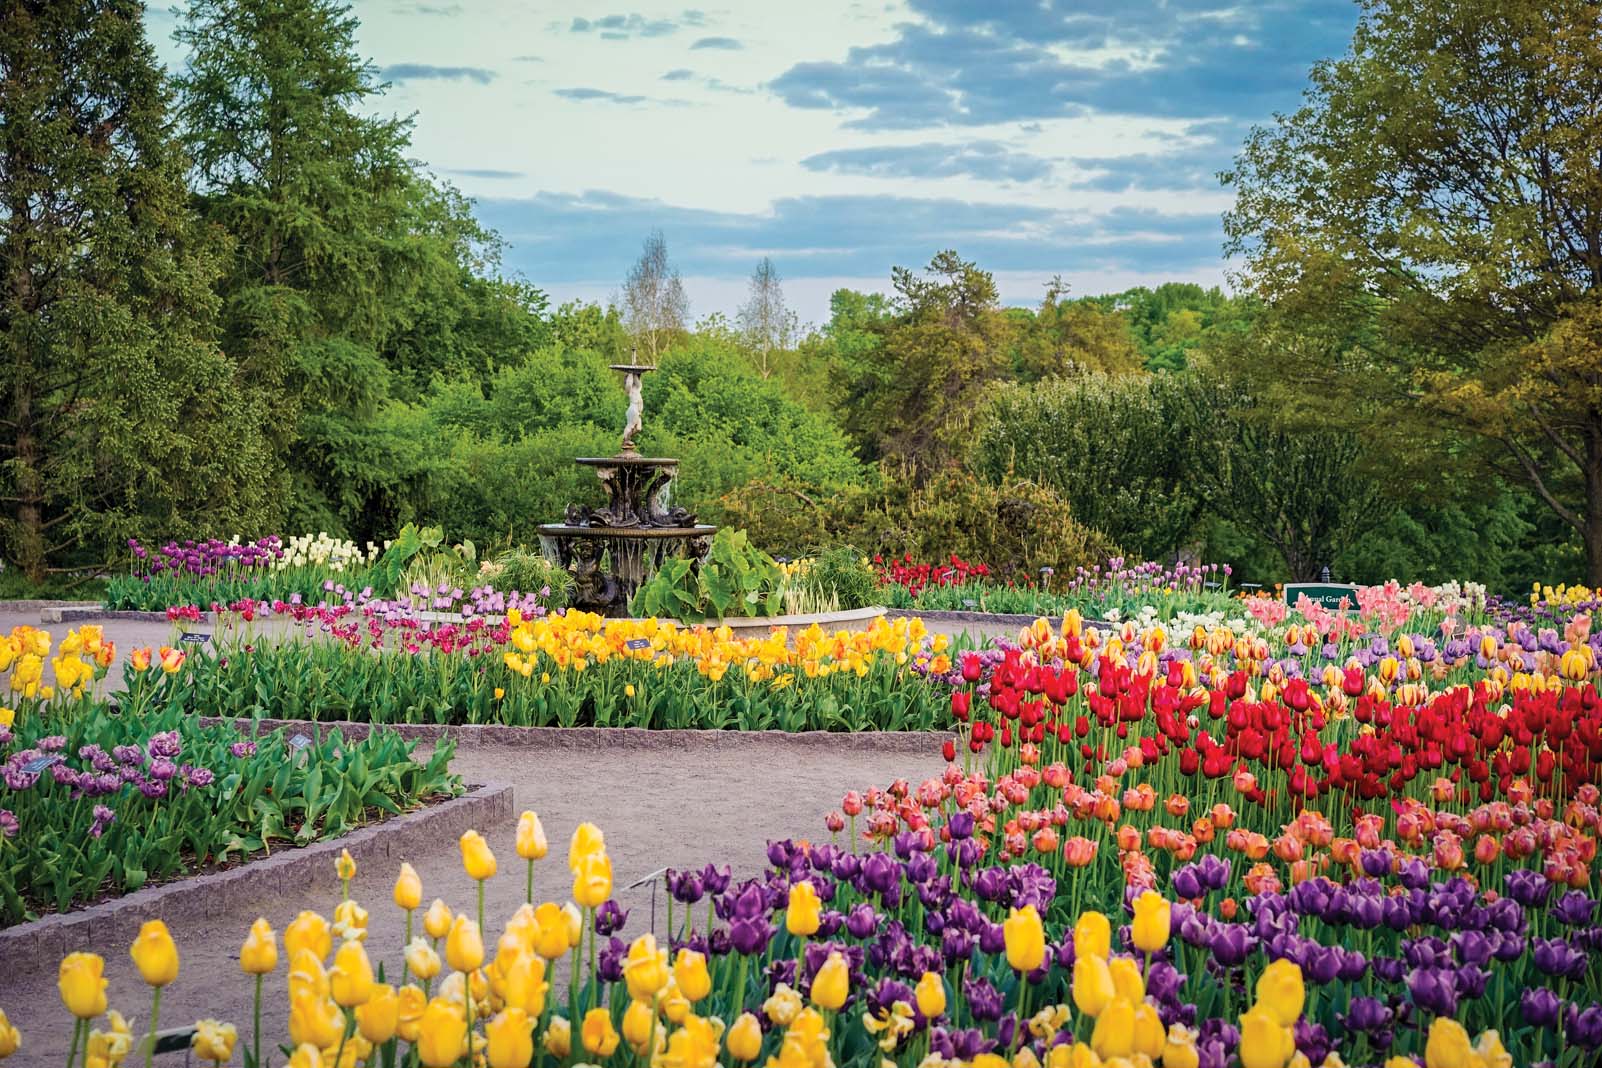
x=663, y=799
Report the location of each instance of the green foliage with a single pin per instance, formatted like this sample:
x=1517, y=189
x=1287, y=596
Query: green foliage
x=842, y=573
x=735, y=579
x=121, y=417
x=274, y=794
x=523, y=571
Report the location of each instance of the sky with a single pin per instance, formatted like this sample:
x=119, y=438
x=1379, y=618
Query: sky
x=1079, y=138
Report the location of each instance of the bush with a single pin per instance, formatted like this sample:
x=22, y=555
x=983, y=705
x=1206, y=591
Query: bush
x=843, y=574
x=524, y=571
x=735, y=579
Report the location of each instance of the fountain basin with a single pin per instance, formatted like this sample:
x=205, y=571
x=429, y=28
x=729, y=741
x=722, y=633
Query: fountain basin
x=632, y=555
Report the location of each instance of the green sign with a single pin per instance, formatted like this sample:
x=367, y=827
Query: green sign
x=1324, y=594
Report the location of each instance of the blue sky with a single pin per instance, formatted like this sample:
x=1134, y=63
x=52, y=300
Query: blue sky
x=841, y=137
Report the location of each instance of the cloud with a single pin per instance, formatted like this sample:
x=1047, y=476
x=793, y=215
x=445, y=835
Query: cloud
x=585, y=93
x=725, y=44
x=528, y=59
x=413, y=72
x=623, y=27
x=596, y=235
x=988, y=160
x=680, y=74
x=444, y=10
x=970, y=64
x=485, y=172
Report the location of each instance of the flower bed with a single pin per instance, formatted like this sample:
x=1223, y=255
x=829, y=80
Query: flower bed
x=1116, y=590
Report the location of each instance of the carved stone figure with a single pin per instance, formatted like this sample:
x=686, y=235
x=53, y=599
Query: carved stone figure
x=635, y=412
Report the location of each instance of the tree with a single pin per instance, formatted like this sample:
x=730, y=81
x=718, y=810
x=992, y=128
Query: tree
x=1446, y=169
x=121, y=415
x=1071, y=337
x=768, y=325
x=655, y=308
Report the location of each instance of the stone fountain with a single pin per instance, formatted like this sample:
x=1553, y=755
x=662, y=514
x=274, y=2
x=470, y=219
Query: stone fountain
x=613, y=549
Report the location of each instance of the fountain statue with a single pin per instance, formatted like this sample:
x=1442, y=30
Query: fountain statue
x=613, y=549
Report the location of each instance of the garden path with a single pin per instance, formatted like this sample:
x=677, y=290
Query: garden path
x=663, y=799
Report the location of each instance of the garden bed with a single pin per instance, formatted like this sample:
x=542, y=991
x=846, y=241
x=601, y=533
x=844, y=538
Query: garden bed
x=117, y=920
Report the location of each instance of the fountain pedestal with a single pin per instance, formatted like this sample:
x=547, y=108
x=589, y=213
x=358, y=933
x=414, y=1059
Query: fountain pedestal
x=613, y=549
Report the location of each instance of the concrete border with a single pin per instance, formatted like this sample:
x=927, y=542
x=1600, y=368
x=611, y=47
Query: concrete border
x=117, y=922
x=999, y=618
x=83, y=613
x=640, y=738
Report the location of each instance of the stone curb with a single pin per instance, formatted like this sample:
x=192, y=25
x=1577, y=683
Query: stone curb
x=575, y=738
x=116, y=922
x=75, y=613
x=1004, y=618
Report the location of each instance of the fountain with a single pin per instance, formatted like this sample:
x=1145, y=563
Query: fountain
x=613, y=549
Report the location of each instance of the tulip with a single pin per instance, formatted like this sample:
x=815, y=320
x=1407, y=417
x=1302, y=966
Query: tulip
x=350, y=921
x=1149, y=1034
x=306, y=1055
x=645, y=969
x=464, y=948
x=1092, y=936
x=1447, y=1045
x=531, y=846
x=931, y=996
x=558, y=1040
x=214, y=1041
x=10, y=1037
x=351, y=980
x=1126, y=978
x=408, y=889
x=477, y=859
x=1093, y=988
x=1025, y=939
x=587, y=839
x=511, y=1039
x=525, y=985
x=598, y=1034
x=1280, y=992
x=308, y=931
x=592, y=881
x=315, y=1020
x=154, y=954
x=259, y=954
x=437, y=920
x=832, y=985
x=378, y=1017
x=421, y=960
x=691, y=975
x=1179, y=1050
x=575, y=924
x=1149, y=929
x=107, y=1048
x=1264, y=1041
x=82, y=985
x=1114, y=1033
x=745, y=1038
x=639, y=1026
x=345, y=868
x=441, y=1034
x=409, y=1012
x=804, y=913
x=551, y=939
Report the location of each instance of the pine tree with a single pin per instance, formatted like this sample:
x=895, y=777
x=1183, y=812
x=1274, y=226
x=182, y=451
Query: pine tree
x=121, y=416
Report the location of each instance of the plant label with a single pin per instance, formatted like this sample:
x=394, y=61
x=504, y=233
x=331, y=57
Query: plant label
x=39, y=763
x=638, y=643
x=194, y=637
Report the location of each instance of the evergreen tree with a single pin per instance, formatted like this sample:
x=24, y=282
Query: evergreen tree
x=121, y=416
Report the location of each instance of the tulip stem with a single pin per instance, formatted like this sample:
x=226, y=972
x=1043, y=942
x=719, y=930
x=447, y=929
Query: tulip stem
x=739, y=986
x=405, y=964
x=528, y=893
x=155, y=1011
x=77, y=1033
x=1023, y=1013
x=255, y=1041
x=481, y=908
x=589, y=923
x=467, y=990
x=344, y=1035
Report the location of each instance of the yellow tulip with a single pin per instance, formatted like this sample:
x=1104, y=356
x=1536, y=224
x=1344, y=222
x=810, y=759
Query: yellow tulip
x=259, y=954
x=1126, y=978
x=351, y=979
x=10, y=1037
x=1488, y=1047
x=315, y=1020
x=931, y=996
x=804, y=912
x=437, y=920
x=1025, y=939
x=1280, y=991
x=598, y=1034
x=476, y=856
x=1179, y=1049
x=154, y=954
x=511, y=1039
x=558, y=1040
x=441, y=1034
x=524, y=985
x=409, y=1011
x=464, y=948
x=350, y=920
x=592, y=881
x=639, y=1026
x=1264, y=1041
x=306, y=976
x=1092, y=936
x=832, y=985
x=379, y=1016
x=1448, y=1045
x=691, y=975
x=308, y=931
x=306, y=1055
x=645, y=969
x=214, y=1041
x=675, y=1006
x=83, y=985
x=1149, y=1035
x=575, y=924
x=1149, y=929
x=421, y=960
x=1093, y=987
x=531, y=841
x=408, y=889
x=551, y=939
x=1114, y=1033
x=345, y=866
x=745, y=1038
x=105, y=1049
x=587, y=839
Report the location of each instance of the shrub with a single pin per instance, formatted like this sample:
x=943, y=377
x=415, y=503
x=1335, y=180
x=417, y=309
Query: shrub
x=842, y=573
x=525, y=571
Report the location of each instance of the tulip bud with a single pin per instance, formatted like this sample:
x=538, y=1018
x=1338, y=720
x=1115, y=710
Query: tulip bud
x=351, y=979
x=531, y=841
x=639, y=1026
x=421, y=960
x=745, y=1038
x=1150, y=927
x=477, y=859
x=154, y=954
x=832, y=985
x=691, y=975
x=511, y=1039
x=442, y=1034
x=308, y=931
x=437, y=920
x=558, y=1040
x=1092, y=935
x=83, y=985
x=259, y=954
x=1093, y=988
x=214, y=1041
x=592, y=880
x=379, y=1016
x=464, y=947
x=804, y=912
x=931, y=996
x=1025, y=938
x=598, y=1034
x=408, y=889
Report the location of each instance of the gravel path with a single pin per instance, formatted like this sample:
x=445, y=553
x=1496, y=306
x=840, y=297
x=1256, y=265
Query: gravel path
x=663, y=799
